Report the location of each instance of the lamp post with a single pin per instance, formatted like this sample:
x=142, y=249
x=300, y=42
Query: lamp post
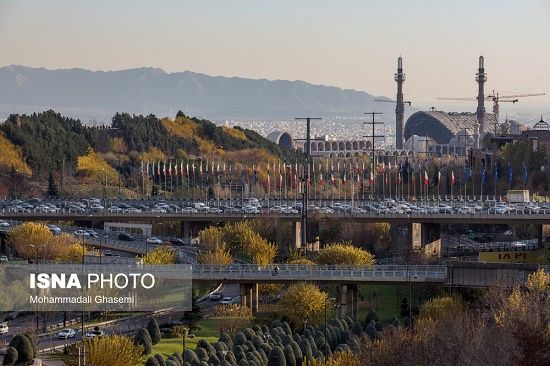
x=326, y=333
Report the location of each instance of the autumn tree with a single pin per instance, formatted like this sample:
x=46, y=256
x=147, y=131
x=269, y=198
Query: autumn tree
x=163, y=254
x=94, y=166
x=345, y=254
x=218, y=256
x=113, y=350
x=442, y=307
x=300, y=302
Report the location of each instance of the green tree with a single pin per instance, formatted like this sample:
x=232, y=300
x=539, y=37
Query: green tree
x=52, y=187
x=10, y=356
x=154, y=330
x=193, y=317
x=24, y=348
x=142, y=338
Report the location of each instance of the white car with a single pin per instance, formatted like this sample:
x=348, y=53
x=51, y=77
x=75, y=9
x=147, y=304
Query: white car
x=93, y=334
x=4, y=328
x=158, y=210
x=188, y=210
x=154, y=240
x=4, y=223
x=227, y=301
x=250, y=210
x=66, y=333
x=114, y=209
x=81, y=233
x=96, y=208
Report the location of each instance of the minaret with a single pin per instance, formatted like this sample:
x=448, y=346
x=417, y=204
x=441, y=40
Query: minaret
x=481, y=78
x=400, y=107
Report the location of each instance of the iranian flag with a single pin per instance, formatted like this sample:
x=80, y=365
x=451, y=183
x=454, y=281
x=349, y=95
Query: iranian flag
x=438, y=177
x=321, y=179
x=452, y=177
x=332, y=178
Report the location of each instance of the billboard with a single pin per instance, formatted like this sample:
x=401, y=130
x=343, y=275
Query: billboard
x=511, y=257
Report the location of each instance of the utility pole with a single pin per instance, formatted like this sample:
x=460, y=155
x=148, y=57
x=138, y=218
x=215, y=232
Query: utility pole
x=373, y=135
x=305, y=179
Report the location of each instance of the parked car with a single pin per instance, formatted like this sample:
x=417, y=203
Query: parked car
x=227, y=301
x=4, y=328
x=107, y=253
x=125, y=237
x=4, y=223
x=66, y=334
x=158, y=210
x=215, y=296
x=4, y=259
x=81, y=233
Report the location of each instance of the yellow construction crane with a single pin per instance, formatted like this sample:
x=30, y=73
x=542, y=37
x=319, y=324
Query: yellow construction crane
x=497, y=99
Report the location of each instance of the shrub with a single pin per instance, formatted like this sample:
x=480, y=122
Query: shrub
x=10, y=357
x=302, y=301
x=191, y=357
x=160, y=359
x=289, y=356
x=345, y=254
x=115, y=350
x=143, y=339
x=24, y=348
x=371, y=315
x=154, y=330
x=276, y=357
x=152, y=361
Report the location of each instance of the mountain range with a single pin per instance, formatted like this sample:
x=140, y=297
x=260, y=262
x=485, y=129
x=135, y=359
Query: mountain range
x=97, y=95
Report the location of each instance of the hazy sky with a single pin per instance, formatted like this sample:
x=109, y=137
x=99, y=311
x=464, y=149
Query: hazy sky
x=350, y=44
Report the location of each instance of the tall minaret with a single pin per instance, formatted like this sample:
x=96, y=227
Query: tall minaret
x=481, y=78
x=400, y=107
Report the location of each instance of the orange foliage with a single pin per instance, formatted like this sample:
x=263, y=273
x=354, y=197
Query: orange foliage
x=94, y=166
x=153, y=154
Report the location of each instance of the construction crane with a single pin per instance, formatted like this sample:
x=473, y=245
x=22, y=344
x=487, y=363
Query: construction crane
x=497, y=99
x=392, y=101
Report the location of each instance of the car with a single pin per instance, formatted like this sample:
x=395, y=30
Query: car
x=215, y=296
x=227, y=301
x=158, y=210
x=250, y=210
x=107, y=253
x=96, y=333
x=188, y=210
x=4, y=328
x=154, y=240
x=76, y=209
x=55, y=230
x=132, y=210
x=66, y=334
x=4, y=259
x=4, y=223
x=214, y=210
x=125, y=237
x=177, y=241
x=81, y=233
x=115, y=209
x=96, y=208
x=92, y=233
x=231, y=209
x=508, y=232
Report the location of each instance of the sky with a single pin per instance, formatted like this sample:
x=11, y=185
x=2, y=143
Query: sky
x=349, y=44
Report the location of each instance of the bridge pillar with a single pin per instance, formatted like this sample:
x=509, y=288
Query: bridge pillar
x=544, y=235
x=296, y=234
x=416, y=235
x=249, y=296
x=186, y=229
x=349, y=302
x=427, y=237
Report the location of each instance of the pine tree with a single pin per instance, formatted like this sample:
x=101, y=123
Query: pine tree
x=193, y=317
x=52, y=187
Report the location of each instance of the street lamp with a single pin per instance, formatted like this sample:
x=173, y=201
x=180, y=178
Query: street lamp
x=331, y=299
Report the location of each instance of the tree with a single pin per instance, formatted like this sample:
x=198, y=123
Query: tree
x=113, y=350
x=345, y=254
x=211, y=239
x=10, y=356
x=302, y=302
x=152, y=361
x=538, y=281
x=217, y=256
x=191, y=318
x=163, y=254
x=345, y=358
x=142, y=338
x=441, y=307
x=276, y=357
x=52, y=187
x=154, y=330
x=23, y=345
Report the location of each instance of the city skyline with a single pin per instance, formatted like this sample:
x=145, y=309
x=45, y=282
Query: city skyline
x=353, y=46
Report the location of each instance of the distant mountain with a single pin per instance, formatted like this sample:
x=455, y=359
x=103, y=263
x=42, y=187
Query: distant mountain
x=97, y=95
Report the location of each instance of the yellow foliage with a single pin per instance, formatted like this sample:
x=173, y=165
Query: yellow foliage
x=302, y=261
x=538, y=281
x=441, y=307
x=217, y=256
x=345, y=358
x=302, y=301
x=240, y=236
x=206, y=146
x=94, y=166
x=182, y=127
x=345, y=254
x=118, y=146
x=11, y=157
x=233, y=132
x=160, y=255
x=35, y=241
x=113, y=350
x=210, y=238
x=154, y=154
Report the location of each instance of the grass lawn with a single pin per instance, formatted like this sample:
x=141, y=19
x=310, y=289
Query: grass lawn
x=166, y=347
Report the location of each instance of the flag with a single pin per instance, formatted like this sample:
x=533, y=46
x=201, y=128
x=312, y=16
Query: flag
x=452, y=178
x=371, y=177
x=147, y=169
x=164, y=168
x=466, y=173
x=483, y=176
x=158, y=168
x=176, y=168
x=510, y=173
x=321, y=179
x=170, y=169
x=332, y=178
x=496, y=173
x=438, y=176
x=141, y=168
x=187, y=168
x=525, y=174
x=426, y=179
